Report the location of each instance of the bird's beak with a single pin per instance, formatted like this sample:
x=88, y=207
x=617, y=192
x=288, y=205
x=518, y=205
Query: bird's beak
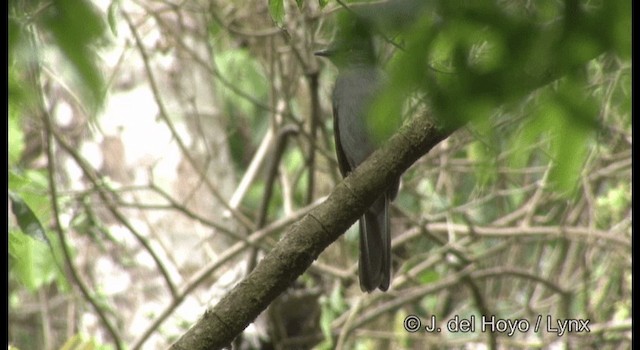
x=324, y=53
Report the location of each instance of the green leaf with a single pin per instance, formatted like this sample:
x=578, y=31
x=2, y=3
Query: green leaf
x=112, y=10
x=479, y=154
x=405, y=72
x=15, y=36
x=77, y=29
x=575, y=125
x=17, y=181
x=570, y=149
x=276, y=10
x=30, y=261
x=428, y=276
x=27, y=220
x=16, y=136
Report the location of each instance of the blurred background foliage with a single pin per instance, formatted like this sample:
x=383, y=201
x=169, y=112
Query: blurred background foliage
x=118, y=234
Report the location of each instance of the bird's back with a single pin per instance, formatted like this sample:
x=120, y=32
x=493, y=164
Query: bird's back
x=353, y=93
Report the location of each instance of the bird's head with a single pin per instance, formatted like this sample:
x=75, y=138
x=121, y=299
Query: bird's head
x=353, y=46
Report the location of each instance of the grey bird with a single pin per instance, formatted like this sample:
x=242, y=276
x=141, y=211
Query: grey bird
x=356, y=85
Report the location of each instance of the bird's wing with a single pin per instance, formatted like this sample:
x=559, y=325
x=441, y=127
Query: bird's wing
x=343, y=164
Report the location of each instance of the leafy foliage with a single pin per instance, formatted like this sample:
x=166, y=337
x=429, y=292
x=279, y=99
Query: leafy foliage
x=276, y=9
x=485, y=56
x=238, y=67
x=27, y=220
x=524, y=210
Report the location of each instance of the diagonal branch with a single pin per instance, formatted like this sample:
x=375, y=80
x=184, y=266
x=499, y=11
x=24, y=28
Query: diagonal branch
x=306, y=239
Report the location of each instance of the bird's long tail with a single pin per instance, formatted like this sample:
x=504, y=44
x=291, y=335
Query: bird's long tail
x=375, y=246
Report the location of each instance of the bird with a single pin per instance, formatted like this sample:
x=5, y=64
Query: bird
x=359, y=79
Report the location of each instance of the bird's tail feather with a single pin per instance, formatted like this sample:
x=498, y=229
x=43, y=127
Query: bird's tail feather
x=375, y=247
